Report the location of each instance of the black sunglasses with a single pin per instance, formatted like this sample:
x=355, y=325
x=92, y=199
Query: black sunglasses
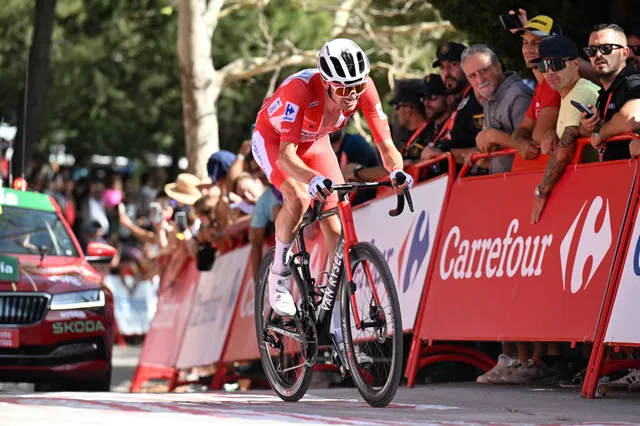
x=605, y=49
x=556, y=64
x=429, y=97
x=635, y=48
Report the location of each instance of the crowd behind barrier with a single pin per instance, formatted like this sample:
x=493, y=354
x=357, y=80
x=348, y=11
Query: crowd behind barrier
x=459, y=278
x=519, y=248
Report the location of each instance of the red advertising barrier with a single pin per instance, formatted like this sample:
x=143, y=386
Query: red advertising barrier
x=497, y=277
x=164, y=338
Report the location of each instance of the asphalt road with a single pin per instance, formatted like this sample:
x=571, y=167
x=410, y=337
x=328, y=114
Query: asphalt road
x=442, y=404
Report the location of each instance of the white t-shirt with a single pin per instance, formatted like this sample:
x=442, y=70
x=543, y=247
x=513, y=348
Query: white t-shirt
x=584, y=92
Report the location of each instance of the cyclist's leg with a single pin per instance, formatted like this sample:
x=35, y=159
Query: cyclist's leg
x=265, y=147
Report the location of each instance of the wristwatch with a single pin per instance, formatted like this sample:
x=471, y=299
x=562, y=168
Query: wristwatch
x=356, y=170
x=540, y=194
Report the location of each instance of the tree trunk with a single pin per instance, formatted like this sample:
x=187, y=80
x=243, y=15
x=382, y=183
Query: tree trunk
x=35, y=86
x=200, y=84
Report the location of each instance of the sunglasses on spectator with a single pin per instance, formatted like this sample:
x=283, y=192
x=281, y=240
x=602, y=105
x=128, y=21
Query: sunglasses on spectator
x=429, y=97
x=605, y=49
x=344, y=91
x=400, y=105
x=635, y=48
x=556, y=64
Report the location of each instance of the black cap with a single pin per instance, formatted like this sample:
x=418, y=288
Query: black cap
x=633, y=31
x=409, y=91
x=449, y=52
x=433, y=85
x=557, y=47
x=542, y=26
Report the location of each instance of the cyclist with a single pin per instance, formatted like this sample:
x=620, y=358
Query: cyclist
x=291, y=144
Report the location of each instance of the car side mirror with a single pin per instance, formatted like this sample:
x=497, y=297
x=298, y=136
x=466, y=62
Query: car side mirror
x=100, y=253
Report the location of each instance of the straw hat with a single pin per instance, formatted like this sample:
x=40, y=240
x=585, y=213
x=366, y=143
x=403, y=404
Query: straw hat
x=185, y=189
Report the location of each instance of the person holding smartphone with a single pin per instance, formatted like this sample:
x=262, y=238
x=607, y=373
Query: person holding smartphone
x=558, y=63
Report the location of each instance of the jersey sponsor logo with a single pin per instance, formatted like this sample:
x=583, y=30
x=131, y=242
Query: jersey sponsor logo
x=275, y=105
x=290, y=112
x=314, y=103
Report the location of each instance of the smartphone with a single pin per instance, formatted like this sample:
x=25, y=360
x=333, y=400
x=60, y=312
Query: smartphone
x=582, y=108
x=155, y=213
x=510, y=22
x=181, y=220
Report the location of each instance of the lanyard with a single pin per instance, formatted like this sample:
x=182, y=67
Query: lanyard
x=448, y=125
x=603, y=147
x=413, y=137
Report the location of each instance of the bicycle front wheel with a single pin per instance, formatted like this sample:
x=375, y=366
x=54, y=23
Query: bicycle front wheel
x=378, y=341
x=281, y=356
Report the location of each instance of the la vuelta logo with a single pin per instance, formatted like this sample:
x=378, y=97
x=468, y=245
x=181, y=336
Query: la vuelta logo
x=591, y=243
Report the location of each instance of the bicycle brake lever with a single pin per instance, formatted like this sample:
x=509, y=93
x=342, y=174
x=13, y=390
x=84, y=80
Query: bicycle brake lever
x=407, y=195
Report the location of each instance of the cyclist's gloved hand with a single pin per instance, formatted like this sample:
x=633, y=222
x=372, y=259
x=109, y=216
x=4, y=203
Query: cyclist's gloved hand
x=317, y=188
x=408, y=180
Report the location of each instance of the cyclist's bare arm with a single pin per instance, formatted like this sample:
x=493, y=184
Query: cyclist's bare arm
x=391, y=157
x=292, y=164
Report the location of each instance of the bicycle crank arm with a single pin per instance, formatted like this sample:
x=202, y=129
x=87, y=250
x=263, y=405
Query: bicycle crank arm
x=284, y=332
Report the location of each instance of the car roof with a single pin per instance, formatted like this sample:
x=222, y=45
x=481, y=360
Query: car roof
x=26, y=200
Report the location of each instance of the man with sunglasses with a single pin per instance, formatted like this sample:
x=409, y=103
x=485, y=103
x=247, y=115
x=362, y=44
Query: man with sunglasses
x=618, y=107
x=633, y=43
x=291, y=144
x=559, y=64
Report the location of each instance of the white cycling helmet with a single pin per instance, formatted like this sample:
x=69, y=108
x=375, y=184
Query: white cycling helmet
x=342, y=61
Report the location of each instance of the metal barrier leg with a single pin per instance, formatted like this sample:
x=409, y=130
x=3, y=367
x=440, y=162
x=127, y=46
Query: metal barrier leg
x=219, y=377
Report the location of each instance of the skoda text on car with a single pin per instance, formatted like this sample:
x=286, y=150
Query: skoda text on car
x=56, y=316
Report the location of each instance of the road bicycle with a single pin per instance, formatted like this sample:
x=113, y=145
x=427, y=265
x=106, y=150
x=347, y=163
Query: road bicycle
x=289, y=370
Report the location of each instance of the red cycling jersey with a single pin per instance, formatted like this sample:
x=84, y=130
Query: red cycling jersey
x=295, y=113
x=296, y=110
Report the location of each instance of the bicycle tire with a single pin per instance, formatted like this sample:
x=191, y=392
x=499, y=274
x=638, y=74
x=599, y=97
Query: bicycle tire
x=286, y=392
x=360, y=252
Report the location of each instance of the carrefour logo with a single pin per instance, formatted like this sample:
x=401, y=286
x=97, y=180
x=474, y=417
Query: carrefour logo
x=417, y=251
x=411, y=256
x=592, y=244
x=510, y=255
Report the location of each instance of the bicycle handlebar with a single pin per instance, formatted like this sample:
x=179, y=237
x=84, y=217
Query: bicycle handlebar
x=357, y=186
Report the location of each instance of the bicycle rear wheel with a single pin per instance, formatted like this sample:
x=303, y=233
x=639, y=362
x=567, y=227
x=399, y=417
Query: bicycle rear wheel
x=285, y=367
x=381, y=335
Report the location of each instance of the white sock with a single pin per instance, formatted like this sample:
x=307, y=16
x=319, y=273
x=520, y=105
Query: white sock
x=335, y=322
x=280, y=265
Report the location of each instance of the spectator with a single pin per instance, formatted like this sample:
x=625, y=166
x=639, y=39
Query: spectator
x=437, y=105
x=264, y=217
x=249, y=188
x=185, y=189
x=507, y=100
x=466, y=119
x=147, y=193
x=542, y=115
x=411, y=115
x=219, y=165
x=633, y=42
x=354, y=152
x=618, y=106
x=558, y=60
x=93, y=208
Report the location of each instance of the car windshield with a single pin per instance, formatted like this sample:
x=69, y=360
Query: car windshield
x=26, y=231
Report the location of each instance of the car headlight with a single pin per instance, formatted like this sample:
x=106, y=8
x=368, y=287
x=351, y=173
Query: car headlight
x=78, y=300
